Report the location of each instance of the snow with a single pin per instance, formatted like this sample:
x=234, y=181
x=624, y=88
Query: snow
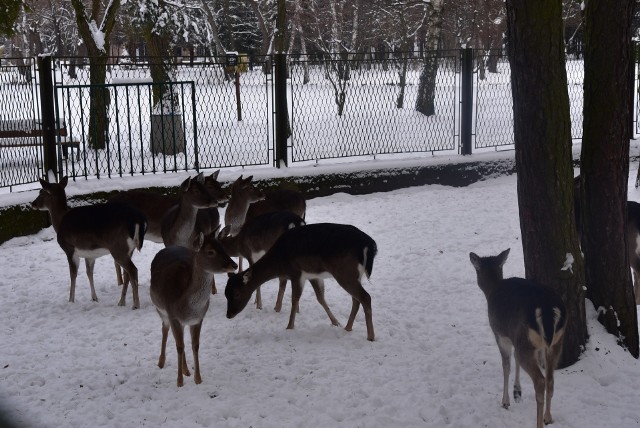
x=434, y=362
x=568, y=263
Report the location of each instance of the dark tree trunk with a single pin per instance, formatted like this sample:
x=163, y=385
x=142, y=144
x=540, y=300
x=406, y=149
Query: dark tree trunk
x=425, y=101
x=542, y=131
x=99, y=103
x=605, y=166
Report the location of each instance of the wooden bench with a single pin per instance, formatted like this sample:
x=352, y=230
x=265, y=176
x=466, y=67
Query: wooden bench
x=28, y=131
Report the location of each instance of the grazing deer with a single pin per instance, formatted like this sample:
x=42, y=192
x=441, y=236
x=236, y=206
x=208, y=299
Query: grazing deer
x=93, y=231
x=313, y=252
x=180, y=284
x=529, y=318
x=633, y=235
x=256, y=237
x=243, y=194
x=155, y=206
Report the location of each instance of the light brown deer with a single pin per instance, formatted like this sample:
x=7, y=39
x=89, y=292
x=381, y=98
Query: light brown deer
x=243, y=193
x=93, y=231
x=529, y=318
x=255, y=238
x=313, y=252
x=180, y=284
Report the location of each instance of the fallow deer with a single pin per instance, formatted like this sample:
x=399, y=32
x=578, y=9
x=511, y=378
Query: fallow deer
x=313, y=252
x=255, y=238
x=528, y=318
x=180, y=284
x=93, y=231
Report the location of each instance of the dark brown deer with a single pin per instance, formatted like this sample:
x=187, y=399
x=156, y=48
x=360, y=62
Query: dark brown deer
x=257, y=235
x=93, y=231
x=313, y=252
x=279, y=200
x=529, y=318
x=180, y=284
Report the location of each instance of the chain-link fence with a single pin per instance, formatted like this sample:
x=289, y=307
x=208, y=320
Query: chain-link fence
x=340, y=106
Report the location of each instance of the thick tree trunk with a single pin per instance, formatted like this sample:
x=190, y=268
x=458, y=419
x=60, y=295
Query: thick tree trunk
x=542, y=131
x=605, y=167
x=99, y=103
x=425, y=101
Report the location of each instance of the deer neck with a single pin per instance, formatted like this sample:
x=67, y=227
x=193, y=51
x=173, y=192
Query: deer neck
x=185, y=220
x=262, y=271
x=489, y=284
x=236, y=213
x=57, y=212
x=231, y=244
x=200, y=285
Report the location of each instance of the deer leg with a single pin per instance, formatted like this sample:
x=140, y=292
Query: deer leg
x=214, y=290
x=296, y=292
x=178, y=334
x=530, y=365
x=195, y=346
x=132, y=272
x=163, y=346
x=282, y=286
x=318, y=287
x=517, y=389
x=552, y=357
x=258, y=299
x=355, y=306
x=359, y=296
x=73, y=273
x=118, y=273
x=506, y=347
x=89, y=263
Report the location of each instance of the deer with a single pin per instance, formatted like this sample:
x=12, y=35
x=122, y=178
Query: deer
x=314, y=252
x=256, y=236
x=279, y=200
x=156, y=205
x=93, y=231
x=180, y=284
x=528, y=318
x=633, y=235
x=242, y=194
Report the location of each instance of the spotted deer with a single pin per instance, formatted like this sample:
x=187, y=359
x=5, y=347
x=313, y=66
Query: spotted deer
x=180, y=283
x=93, y=231
x=528, y=318
x=256, y=236
x=312, y=252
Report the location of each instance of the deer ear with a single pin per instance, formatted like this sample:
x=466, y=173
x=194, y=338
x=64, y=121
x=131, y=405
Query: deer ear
x=215, y=175
x=64, y=181
x=475, y=260
x=198, y=241
x=185, y=184
x=502, y=257
x=224, y=232
x=200, y=178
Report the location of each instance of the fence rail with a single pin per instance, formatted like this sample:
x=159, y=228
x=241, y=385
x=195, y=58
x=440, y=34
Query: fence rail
x=337, y=106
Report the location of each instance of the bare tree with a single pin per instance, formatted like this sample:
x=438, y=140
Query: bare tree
x=542, y=131
x=425, y=102
x=96, y=38
x=605, y=167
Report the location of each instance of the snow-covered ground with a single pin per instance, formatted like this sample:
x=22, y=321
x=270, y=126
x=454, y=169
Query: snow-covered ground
x=434, y=362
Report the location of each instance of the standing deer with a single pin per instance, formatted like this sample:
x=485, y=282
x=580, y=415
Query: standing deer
x=633, y=235
x=180, y=284
x=256, y=237
x=529, y=318
x=156, y=205
x=279, y=200
x=94, y=231
x=313, y=252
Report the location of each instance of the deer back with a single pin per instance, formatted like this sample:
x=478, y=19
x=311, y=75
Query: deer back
x=153, y=205
x=517, y=306
x=102, y=228
x=279, y=200
x=181, y=276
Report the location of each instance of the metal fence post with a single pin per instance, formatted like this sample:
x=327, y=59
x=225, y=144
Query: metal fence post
x=466, y=101
x=48, y=117
x=281, y=114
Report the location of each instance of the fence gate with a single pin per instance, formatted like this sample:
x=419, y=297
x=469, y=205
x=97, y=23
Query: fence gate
x=21, y=157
